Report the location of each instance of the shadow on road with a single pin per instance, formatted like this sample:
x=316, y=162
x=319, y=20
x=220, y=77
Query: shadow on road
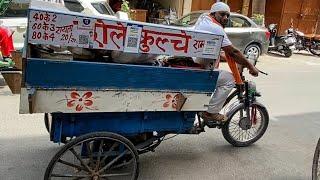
x=300, y=128
x=304, y=53
x=275, y=54
x=284, y=152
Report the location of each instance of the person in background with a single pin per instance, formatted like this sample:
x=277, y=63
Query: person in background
x=6, y=46
x=115, y=5
x=215, y=23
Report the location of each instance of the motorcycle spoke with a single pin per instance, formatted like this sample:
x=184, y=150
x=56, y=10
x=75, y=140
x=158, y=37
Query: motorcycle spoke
x=234, y=130
x=244, y=134
x=234, y=127
x=248, y=134
x=238, y=134
x=251, y=135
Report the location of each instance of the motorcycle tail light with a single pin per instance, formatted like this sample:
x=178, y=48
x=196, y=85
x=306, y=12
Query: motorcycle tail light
x=268, y=35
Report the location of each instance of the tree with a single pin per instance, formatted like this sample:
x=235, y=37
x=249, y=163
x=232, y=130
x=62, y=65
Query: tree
x=4, y=4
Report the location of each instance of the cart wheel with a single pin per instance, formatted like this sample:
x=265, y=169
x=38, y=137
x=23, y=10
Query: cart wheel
x=95, y=156
x=316, y=163
x=241, y=131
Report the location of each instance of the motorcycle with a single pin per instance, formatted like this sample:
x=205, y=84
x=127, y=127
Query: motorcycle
x=282, y=44
x=308, y=42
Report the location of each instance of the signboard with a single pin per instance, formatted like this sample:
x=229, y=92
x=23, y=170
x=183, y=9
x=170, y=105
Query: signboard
x=75, y=30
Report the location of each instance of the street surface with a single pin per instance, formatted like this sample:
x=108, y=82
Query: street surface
x=291, y=93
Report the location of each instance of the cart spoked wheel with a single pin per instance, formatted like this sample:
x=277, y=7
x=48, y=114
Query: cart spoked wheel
x=95, y=156
x=316, y=163
x=242, y=131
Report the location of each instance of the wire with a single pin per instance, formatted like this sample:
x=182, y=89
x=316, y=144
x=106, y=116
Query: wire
x=164, y=139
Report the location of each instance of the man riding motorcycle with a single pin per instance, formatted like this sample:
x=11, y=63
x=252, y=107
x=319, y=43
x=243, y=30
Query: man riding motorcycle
x=214, y=23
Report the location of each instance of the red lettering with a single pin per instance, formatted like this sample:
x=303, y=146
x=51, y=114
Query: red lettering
x=54, y=18
x=45, y=26
x=45, y=36
x=36, y=16
x=198, y=44
x=51, y=36
x=163, y=41
x=34, y=26
x=39, y=35
x=41, y=17
x=47, y=17
x=34, y=35
x=113, y=34
x=145, y=38
x=52, y=27
x=39, y=26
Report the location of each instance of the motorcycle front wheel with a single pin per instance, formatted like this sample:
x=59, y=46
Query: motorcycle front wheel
x=241, y=131
x=288, y=53
x=315, y=48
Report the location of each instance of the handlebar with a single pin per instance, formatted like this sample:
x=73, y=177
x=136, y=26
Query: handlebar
x=263, y=72
x=238, y=69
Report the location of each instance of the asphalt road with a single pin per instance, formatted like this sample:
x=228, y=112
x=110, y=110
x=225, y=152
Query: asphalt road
x=290, y=92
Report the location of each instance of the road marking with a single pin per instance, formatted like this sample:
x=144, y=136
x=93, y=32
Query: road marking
x=313, y=64
x=272, y=118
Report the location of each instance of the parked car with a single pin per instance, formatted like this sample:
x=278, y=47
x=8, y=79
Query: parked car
x=15, y=17
x=248, y=37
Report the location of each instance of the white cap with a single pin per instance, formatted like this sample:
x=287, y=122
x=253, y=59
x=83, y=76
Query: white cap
x=219, y=6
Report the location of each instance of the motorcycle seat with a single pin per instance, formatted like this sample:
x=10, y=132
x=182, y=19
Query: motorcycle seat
x=312, y=36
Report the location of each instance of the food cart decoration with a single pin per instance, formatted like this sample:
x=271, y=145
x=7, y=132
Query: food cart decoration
x=75, y=86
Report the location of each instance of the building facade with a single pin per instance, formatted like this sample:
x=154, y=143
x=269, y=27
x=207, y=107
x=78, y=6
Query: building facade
x=300, y=14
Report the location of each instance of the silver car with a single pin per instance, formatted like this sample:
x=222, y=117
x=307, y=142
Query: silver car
x=244, y=34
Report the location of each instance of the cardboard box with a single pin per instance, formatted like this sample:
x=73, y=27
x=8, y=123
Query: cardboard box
x=139, y=15
x=163, y=13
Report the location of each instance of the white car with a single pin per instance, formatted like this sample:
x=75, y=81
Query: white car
x=15, y=17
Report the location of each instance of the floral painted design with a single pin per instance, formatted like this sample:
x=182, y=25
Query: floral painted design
x=80, y=102
x=171, y=101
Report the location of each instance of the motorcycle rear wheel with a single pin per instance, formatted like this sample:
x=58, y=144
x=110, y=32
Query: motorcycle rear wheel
x=315, y=49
